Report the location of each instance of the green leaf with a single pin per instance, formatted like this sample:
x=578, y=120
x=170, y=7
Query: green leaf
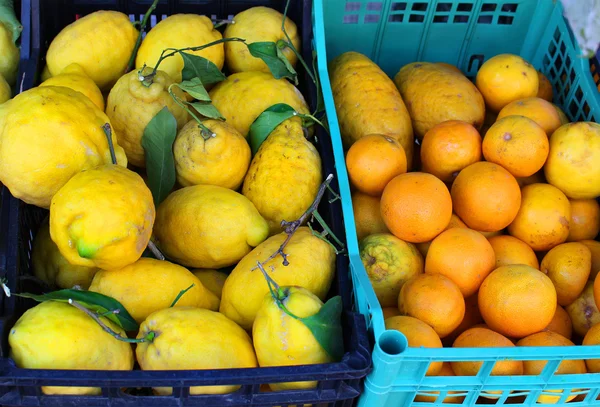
x=326, y=327
x=181, y=293
x=207, y=110
x=320, y=102
x=195, y=89
x=9, y=19
x=157, y=141
x=271, y=55
x=195, y=66
x=96, y=302
x=266, y=123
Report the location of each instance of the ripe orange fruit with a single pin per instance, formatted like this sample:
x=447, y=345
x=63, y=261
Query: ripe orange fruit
x=568, y=265
x=592, y=337
x=585, y=220
x=445, y=371
x=367, y=215
x=435, y=300
x=543, y=218
x=535, y=367
x=505, y=78
x=486, y=197
x=490, y=118
x=583, y=311
x=485, y=338
x=472, y=317
x=563, y=117
x=537, y=178
x=544, y=88
x=542, y=112
x=464, y=256
x=517, y=144
x=448, y=147
x=418, y=334
x=597, y=291
x=510, y=250
x=489, y=235
x=416, y=207
x=455, y=222
x=389, y=312
x=594, y=247
x=450, y=66
x=561, y=323
x=517, y=300
x=373, y=161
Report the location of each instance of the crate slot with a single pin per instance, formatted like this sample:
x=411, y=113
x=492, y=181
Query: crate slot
x=464, y=7
x=488, y=7
x=444, y=7
x=505, y=20
x=459, y=18
x=352, y=6
x=485, y=19
x=440, y=19
x=351, y=19
x=371, y=18
x=419, y=7
x=510, y=7
x=396, y=18
x=374, y=6
x=416, y=18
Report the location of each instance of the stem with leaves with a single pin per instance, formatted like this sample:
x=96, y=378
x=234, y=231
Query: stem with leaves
x=289, y=44
x=205, y=132
x=138, y=42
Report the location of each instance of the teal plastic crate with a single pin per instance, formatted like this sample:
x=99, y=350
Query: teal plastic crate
x=465, y=33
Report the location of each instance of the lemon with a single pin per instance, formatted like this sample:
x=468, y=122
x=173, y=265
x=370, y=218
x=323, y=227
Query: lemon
x=9, y=55
x=281, y=340
x=74, y=77
x=56, y=335
x=190, y=338
x=258, y=24
x=47, y=135
x=220, y=160
x=311, y=265
x=211, y=279
x=102, y=217
x=100, y=42
x=206, y=226
x=50, y=265
x=5, y=91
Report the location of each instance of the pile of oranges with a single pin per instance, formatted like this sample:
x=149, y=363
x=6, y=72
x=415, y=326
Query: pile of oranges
x=489, y=239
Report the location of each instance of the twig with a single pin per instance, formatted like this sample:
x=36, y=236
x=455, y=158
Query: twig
x=180, y=295
x=291, y=45
x=111, y=147
x=155, y=250
x=105, y=327
x=139, y=38
x=291, y=227
x=222, y=23
x=205, y=132
x=278, y=295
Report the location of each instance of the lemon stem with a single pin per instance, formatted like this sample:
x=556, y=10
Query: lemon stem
x=105, y=327
x=205, y=132
x=138, y=42
x=181, y=293
x=111, y=147
x=155, y=251
x=222, y=23
x=291, y=45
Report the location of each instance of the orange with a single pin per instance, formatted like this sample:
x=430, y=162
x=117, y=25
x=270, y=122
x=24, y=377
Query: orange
x=472, y=318
x=561, y=323
x=450, y=66
x=542, y=112
x=448, y=147
x=544, y=88
x=479, y=337
x=594, y=247
x=418, y=334
x=583, y=311
x=537, y=178
x=517, y=300
x=464, y=256
x=416, y=207
x=486, y=197
x=592, y=337
x=389, y=312
x=445, y=371
x=505, y=78
x=510, y=250
x=489, y=120
x=568, y=265
x=489, y=235
x=597, y=291
x=572, y=164
x=373, y=161
x=367, y=215
x=563, y=117
x=585, y=220
x=535, y=367
x=517, y=144
x=543, y=219
x=455, y=222
x=435, y=300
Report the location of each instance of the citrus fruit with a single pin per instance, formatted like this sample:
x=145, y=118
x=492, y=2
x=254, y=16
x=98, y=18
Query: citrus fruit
x=214, y=280
x=463, y=255
x=74, y=77
x=9, y=54
x=373, y=161
x=583, y=311
x=448, y=147
x=537, y=178
x=418, y=334
x=505, y=78
x=389, y=312
x=517, y=144
x=561, y=323
x=486, y=196
x=542, y=112
x=568, y=265
x=517, y=300
x=544, y=87
x=592, y=337
x=435, y=300
x=594, y=247
x=455, y=222
x=367, y=215
x=416, y=207
x=543, y=218
x=510, y=250
x=585, y=220
x=445, y=371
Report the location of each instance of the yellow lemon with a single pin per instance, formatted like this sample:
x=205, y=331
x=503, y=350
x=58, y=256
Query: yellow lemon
x=214, y=280
x=74, y=77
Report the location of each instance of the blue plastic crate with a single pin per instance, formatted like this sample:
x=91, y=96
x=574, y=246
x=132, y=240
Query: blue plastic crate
x=464, y=33
x=339, y=384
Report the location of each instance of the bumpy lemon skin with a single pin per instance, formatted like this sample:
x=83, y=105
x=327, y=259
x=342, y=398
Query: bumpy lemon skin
x=74, y=77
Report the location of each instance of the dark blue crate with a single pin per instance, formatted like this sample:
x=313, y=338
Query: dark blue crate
x=339, y=383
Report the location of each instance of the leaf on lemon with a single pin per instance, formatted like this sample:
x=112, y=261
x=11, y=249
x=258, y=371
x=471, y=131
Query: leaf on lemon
x=96, y=302
x=266, y=122
x=195, y=66
x=207, y=110
x=157, y=141
x=275, y=59
x=8, y=17
x=195, y=89
x=326, y=327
